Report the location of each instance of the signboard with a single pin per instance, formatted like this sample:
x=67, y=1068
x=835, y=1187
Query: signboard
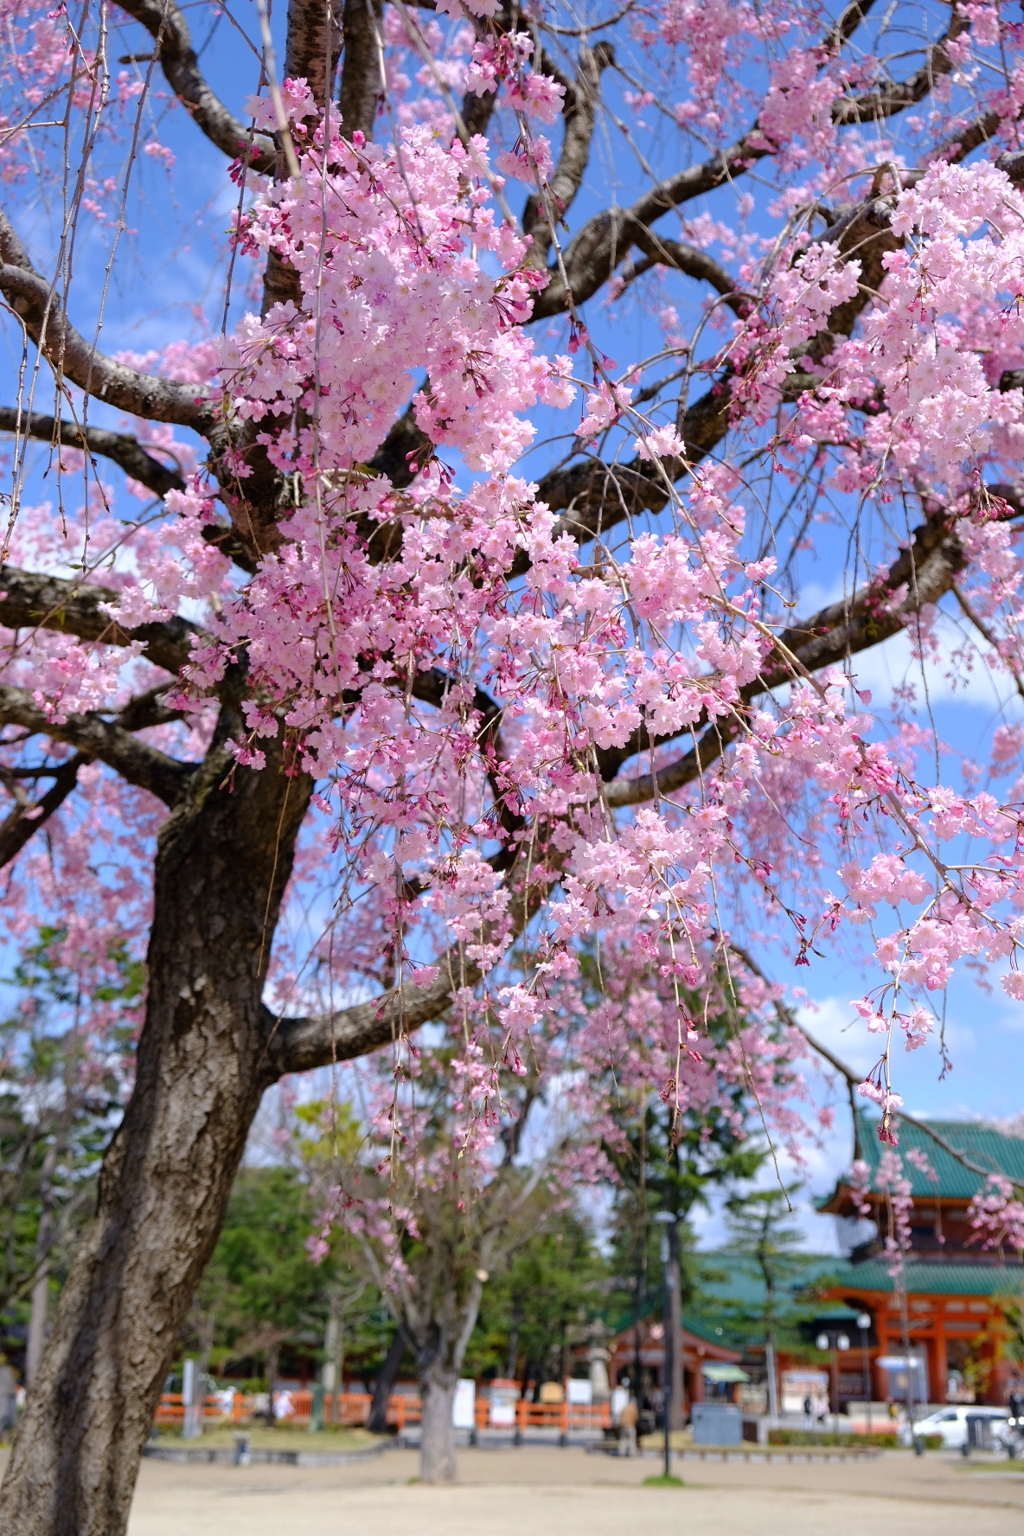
x=798, y=1386
x=906, y=1378
x=579, y=1393
x=464, y=1405
x=504, y=1396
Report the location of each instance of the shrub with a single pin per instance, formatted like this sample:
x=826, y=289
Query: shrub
x=886, y=1439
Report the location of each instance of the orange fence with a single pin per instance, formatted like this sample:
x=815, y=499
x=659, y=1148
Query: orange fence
x=345, y=1408
x=353, y=1409
x=172, y=1409
x=562, y=1416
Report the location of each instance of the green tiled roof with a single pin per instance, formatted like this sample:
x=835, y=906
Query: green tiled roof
x=703, y=1329
x=737, y=1284
x=730, y=1284
x=735, y=1277
x=696, y=1319
x=932, y=1279
x=987, y=1148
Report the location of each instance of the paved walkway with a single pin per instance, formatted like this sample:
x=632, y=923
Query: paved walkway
x=541, y=1492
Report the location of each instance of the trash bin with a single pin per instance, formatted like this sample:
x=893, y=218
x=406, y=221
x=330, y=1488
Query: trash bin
x=717, y=1424
x=979, y=1433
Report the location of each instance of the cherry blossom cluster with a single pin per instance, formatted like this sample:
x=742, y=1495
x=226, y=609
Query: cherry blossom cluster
x=548, y=1070
x=996, y=1214
x=893, y=1181
x=493, y=707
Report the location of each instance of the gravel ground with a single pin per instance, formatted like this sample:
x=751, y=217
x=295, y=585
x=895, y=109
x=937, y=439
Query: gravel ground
x=549, y=1492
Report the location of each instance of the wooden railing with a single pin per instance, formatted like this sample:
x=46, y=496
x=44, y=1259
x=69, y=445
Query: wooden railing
x=352, y=1409
x=562, y=1416
x=172, y=1409
x=344, y=1408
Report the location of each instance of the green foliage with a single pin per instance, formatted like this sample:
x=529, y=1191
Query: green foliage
x=262, y=1292
x=261, y=1261
x=767, y=1244
x=886, y=1439
x=670, y=1163
x=539, y=1303
x=324, y=1132
x=671, y=1158
x=59, y=1100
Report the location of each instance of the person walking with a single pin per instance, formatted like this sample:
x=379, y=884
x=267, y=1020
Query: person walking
x=629, y=1417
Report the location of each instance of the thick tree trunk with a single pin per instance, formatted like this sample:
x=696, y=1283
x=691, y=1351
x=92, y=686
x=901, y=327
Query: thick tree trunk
x=377, y=1423
x=223, y=859
x=272, y=1356
x=437, y=1437
x=441, y=1334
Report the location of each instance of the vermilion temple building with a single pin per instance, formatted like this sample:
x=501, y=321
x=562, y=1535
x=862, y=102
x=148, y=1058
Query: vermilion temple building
x=956, y=1290
x=949, y=1335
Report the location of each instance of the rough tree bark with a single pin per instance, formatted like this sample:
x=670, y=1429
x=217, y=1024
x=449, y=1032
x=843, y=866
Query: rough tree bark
x=440, y=1321
x=377, y=1423
x=202, y=1069
x=438, y=1381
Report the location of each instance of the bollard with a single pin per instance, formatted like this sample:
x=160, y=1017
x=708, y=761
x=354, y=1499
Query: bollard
x=192, y=1400
x=242, y=1453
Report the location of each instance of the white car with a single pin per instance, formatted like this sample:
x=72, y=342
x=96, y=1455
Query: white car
x=951, y=1424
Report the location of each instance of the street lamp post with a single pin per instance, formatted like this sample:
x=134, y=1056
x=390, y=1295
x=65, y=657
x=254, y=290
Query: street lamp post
x=836, y=1342
x=670, y=1308
x=864, y=1323
x=842, y=1344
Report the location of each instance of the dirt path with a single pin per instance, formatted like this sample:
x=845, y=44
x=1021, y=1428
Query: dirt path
x=534, y=1492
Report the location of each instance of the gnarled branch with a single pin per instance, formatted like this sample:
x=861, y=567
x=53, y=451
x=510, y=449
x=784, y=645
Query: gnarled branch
x=26, y=818
x=695, y=263
x=71, y=356
x=106, y=740
x=28, y=600
x=122, y=449
x=297, y=1044
x=896, y=95
x=606, y=239
x=596, y=496
x=578, y=113
x=928, y=569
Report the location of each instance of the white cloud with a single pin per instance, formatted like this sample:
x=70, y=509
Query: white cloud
x=835, y=1023
x=937, y=679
